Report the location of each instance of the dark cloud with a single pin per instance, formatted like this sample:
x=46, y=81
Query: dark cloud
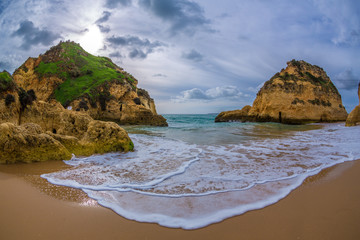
x=134, y=41
x=104, y=29
x=185, y=16
x=84, y=30
x=32, y=35
x=116, y=55
x=104, y=18
x=3, y=5
x=116, y=3
x=193, y=55
x=137, y=53
x=346, y=80
x=138, y=48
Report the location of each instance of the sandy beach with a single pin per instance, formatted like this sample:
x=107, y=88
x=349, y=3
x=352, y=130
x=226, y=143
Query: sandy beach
x=326, y=206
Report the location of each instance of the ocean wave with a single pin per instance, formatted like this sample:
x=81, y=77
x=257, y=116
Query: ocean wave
x=180, y=184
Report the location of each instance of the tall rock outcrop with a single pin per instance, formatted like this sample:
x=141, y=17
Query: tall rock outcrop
x=354, y=117
x=83, y=82
x=301, y=93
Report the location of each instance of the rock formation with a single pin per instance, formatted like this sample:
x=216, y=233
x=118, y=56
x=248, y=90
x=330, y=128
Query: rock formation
x=301, y=93
x=9, y=103
x=83, y=82
x=354, y=117
x=28, y=143
x=235, y=115
x=33, y=130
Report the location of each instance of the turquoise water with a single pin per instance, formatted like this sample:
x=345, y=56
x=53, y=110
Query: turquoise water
x=201, y=129
x=197, y=172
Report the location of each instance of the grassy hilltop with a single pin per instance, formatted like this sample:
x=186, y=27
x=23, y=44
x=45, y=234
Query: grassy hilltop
x=82, y=73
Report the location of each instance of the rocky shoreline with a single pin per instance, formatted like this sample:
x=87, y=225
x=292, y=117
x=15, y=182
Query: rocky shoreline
x=67, y=101
x=32, y=130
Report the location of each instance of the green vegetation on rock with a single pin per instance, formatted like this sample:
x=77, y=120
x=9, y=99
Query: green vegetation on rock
x=47, y=68
x=5, y=81
x=82, y=72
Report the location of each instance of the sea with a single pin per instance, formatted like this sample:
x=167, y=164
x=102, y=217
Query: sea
x=196, y=172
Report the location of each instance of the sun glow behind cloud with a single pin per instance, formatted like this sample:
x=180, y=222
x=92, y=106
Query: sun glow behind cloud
x=92, y=40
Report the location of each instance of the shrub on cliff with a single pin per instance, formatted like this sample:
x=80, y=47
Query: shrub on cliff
x=26, y=98
x=9, y=99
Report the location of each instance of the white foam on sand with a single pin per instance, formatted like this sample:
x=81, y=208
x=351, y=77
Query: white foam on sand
x=182, y=185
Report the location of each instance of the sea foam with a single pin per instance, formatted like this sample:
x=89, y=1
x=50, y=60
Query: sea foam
x=178, y=184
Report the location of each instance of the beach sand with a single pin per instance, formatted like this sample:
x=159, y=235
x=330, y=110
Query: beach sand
x=326, y=206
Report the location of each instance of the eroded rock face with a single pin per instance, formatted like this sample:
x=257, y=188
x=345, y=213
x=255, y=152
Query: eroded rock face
x=56, y=135
x=88, y=83
x=27, y=143
x=54, y=118
x=27, y=78
x=235, y=115
x=126, y=108
x=354, y=117
x=301, y=93
x=102, y=137
x=9, y=102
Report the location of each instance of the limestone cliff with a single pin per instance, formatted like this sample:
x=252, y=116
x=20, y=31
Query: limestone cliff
x=33, y=130
x=83, y=82
x=9, y=103
x=301, y=93
x=354, y=117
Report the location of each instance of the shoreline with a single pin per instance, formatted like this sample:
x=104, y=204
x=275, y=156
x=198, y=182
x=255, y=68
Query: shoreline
x=325, y=206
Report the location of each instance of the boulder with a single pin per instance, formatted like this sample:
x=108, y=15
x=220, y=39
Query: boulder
x=235, y=115
x=354, y=117
x=28, y=143
x=100, y=137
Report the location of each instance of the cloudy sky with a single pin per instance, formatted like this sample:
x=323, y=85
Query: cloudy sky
x=194, y=56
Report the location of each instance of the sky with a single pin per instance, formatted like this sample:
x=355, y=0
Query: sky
x=194, y=56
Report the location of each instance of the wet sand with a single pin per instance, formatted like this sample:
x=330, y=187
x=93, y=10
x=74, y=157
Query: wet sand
x=326, y=206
